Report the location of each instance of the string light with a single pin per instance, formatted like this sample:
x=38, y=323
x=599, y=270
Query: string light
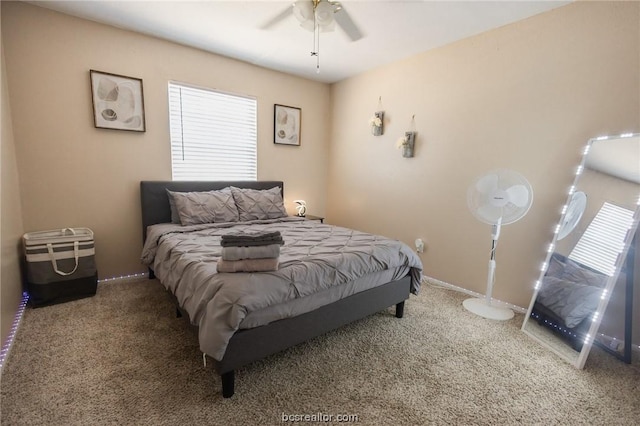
x=124, y=277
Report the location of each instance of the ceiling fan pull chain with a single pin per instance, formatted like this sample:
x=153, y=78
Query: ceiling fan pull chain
x=318, y=51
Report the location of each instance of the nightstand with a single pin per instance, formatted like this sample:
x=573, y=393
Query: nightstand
x=312, y=217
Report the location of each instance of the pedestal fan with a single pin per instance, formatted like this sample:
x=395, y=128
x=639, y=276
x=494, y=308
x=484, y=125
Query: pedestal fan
x=498, y=198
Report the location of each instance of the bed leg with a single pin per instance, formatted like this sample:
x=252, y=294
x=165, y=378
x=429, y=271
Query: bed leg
x=400, y=309
x=227, y=384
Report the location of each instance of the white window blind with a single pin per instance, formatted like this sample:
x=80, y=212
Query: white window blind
x=603, y=239
x=213, y=134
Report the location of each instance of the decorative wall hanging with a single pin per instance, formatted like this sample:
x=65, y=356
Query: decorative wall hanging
x=377, y=121
x=407, y=143
x=286, y=125
x=118, y=101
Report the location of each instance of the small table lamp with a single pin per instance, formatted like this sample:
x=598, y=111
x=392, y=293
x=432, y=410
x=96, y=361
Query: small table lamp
x=301, y=207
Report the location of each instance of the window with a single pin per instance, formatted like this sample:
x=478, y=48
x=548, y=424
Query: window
x=603, y=240
x=213, y=134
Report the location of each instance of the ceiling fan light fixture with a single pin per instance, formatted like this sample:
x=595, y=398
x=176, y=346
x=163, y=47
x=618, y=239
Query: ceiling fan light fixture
x=311, y=14
x=303, y=11
x=324, y=14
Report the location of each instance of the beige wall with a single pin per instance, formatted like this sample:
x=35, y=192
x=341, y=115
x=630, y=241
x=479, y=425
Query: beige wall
x=526, y=97
x=72, y=174
x=11, y=228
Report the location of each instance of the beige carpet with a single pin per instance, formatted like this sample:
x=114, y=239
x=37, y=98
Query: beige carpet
x=122, y=358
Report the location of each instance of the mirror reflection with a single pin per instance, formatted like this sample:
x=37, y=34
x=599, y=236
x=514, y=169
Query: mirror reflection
x=588, y=258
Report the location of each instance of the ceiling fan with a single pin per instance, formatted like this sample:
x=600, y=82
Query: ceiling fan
x=319, y=14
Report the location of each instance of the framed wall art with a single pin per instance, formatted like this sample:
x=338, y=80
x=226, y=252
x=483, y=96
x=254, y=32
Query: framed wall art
x=118, y=101
x=286, y=125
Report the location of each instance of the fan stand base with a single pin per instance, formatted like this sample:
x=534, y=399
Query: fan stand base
x=482, y=308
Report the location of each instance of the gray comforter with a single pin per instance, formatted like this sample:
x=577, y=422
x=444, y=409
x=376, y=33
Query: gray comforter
x=315, y=258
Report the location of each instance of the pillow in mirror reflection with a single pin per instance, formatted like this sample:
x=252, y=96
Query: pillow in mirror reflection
x=576, y=273
x=572, y=302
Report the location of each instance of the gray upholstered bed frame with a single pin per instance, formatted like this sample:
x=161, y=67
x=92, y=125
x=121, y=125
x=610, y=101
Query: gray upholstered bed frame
x=256, y=343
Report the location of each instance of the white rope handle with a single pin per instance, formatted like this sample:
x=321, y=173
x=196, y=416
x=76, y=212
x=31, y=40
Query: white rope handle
x=53, y=259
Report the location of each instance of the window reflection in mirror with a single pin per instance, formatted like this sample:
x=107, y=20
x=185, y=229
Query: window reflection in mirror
x=587, y=259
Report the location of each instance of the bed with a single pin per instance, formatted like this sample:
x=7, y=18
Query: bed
x=568, y=298
x=327, y=276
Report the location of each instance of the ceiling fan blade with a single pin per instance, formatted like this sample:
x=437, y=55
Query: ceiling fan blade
x=518, y=195
x=276, y=19
x=346, y=23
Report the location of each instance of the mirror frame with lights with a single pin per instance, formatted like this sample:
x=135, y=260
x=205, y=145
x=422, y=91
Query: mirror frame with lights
x=579, y=360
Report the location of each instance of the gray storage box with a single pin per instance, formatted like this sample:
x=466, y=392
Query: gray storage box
x=60, y=265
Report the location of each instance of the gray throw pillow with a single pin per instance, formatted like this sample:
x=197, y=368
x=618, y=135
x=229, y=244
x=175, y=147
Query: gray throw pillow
x=175, y=217
x=254, y=204
x=205, y=207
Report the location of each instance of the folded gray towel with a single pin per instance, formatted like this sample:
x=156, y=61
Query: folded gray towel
x=252, y=243
x=251, y=236
x=247, y=239
x=270, y=251
x=247, y=265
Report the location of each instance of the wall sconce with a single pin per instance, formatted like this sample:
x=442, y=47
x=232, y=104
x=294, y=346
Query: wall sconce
x=301, y=207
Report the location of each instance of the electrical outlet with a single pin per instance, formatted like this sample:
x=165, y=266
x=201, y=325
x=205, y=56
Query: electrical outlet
x=420, y=245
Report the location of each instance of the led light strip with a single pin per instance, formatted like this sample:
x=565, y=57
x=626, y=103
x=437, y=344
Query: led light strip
x=124, y=277
x=4, y=352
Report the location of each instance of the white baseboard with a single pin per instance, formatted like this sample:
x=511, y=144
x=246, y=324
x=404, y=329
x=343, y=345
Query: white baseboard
x=436, y=282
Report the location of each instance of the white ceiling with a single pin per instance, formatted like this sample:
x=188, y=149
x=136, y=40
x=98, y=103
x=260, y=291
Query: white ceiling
x=393, y=29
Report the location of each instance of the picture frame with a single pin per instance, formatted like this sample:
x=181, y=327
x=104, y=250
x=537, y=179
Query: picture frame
x=118, y=101
x=287, y=125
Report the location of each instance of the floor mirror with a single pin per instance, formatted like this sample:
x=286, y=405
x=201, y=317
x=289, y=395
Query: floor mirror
x=592, y=256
